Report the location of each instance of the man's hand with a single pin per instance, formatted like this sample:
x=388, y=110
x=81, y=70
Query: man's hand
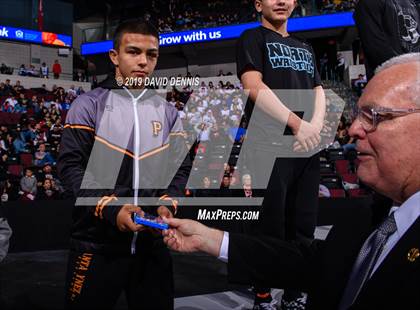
x=307, y=136
x=125, y=218
x=191, y=236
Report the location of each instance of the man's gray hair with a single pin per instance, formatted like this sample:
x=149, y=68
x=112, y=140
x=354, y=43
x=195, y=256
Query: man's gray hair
x=246, y=175
x=399, y=60
x=414, y=89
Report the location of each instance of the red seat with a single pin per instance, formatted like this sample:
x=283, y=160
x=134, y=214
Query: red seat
x=342, y=166
x=15, y=170
x=357, y=192
x=3, y=99
x=337, y=193
x=215, y=166
x=49, y=97
x=349, y=178
x=63, y=116
x=26, y=160
x=30, y=112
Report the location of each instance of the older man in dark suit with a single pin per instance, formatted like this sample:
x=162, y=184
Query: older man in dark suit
x=371, y=267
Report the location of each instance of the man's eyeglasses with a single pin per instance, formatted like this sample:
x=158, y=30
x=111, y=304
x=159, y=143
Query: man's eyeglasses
x=370, y=117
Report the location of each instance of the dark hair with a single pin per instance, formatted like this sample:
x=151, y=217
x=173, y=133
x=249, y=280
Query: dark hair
x=136, y=26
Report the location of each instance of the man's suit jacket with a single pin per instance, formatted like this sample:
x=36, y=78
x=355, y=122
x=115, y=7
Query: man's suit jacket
x=322, y=268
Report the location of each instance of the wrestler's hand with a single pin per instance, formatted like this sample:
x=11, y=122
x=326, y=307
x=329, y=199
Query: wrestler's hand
x=162, y=212
x=125, y=218
x=191, y=236
x=308, y=137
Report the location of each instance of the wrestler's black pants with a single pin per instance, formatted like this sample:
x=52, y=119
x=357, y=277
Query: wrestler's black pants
x=96, y=281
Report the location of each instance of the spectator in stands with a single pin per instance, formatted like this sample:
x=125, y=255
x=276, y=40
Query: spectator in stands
x=55, y=133
x=3, y=68
x=19, y=145
x=60, y=94
x=47, y=192
x=3, y=147
x=31, y=71
x=9, y=145
x=20, y=107
x=43, y=89
x=247, y=185
x=40, y=135
x=65, y=105
x=80, y=91
x=43, y=157
x=55, y=110
x=46, y=173
x=8, y=89
x=22, y=70
x=3, y=165
x=225, y=190
x=203, y=131
x=44, y=71
x=360, y=84
x=33, y=101
x=28, y=134
x=9, y=104
x=57, y=125
x=18, y=87
x=215, y=101
x=28, y=188
x=236, y=132
x=4, y=130
x=204, y=190
x=2, y=91
x=56, y=69
x=79, y=75
x=57, y=186
x=8, y=191
x=225, y=112
x=23, y=100
x=71, y=91
x=323, y=61
x=341, y=64
x=209, y=119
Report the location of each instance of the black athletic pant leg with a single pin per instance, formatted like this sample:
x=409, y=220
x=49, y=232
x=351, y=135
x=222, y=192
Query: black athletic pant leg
x=95, y=281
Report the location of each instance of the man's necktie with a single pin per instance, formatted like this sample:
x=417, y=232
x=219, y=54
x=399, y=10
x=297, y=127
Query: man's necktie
x=366, y=260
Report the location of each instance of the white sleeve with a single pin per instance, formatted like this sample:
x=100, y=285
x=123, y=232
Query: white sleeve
x=224, y=248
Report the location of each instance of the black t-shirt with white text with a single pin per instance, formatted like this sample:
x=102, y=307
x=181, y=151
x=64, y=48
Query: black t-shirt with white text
x=288, y=67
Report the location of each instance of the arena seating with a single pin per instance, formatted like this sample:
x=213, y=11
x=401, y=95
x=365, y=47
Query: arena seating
x=199, y=14
x=336, y=169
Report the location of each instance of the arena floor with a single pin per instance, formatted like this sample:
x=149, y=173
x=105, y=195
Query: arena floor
x=35, y=281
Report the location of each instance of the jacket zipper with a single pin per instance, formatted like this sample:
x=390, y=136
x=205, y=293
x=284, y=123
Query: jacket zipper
x=135, y=161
